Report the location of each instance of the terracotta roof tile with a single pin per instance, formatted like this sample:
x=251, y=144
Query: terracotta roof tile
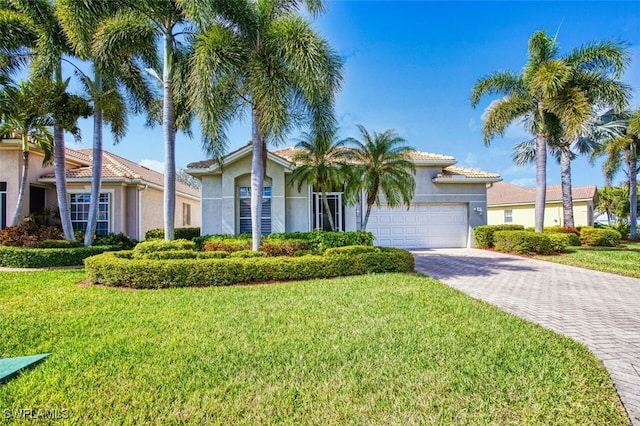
x=507, y=193
x=454, y=172
x=116, y=167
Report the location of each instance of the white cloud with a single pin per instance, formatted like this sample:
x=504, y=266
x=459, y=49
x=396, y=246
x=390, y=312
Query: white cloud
x=156, y=165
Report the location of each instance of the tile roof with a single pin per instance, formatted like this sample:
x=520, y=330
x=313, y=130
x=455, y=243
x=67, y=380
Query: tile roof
x=288, y=153
x=507, y=193
x=116, y=167
x=454, y=172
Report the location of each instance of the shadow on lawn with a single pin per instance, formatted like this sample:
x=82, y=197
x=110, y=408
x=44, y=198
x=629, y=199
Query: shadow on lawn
x=443, y=266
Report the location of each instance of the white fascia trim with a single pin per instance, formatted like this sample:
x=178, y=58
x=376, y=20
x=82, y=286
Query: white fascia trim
x=465, y=180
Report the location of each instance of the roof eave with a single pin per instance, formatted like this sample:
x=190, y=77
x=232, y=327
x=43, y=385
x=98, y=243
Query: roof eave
x=434, y=162
x=465, y=180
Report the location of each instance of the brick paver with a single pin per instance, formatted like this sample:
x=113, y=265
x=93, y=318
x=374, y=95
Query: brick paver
x=597, y=309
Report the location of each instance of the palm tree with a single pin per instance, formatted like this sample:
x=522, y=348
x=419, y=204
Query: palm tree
x=22, y=116
x=82, y=22
x=136, y=28
x=594, y=131
x=321, y=163
x=30, y=32
x=382, y=167
x=623, y=150
x=261, y=56
x=551, y=96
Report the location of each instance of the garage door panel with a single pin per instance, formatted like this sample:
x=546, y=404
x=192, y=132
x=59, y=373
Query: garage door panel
x=424, y=225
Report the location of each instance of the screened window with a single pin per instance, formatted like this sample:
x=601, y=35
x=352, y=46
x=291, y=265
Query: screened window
x=508, y=216
x=245, y=210
x=80, y=212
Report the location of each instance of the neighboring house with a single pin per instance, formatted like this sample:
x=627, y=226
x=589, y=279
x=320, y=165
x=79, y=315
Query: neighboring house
x=448, y=201
x=510, y=203
x=131, y=199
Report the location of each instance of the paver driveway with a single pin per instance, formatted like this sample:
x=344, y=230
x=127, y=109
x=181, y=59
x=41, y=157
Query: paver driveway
x=595, y=308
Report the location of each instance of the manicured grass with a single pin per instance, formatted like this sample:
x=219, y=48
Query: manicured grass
x=377, y=349
x=624, y=260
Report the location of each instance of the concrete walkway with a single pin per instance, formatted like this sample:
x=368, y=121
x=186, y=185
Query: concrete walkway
x=597, y=309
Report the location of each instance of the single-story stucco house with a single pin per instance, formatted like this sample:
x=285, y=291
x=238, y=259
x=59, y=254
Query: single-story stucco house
x=509, y=203
x=448, y=202
x=131, y=199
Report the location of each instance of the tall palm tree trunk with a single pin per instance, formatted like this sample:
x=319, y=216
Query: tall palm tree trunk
x=633, y=196
x=541, y=180
x=327, y=209
x=23, y=181
x=168, y=120
x=257, y=180
x=97, y=169
x=565, y=179
x=366, y=217
x=61, y=182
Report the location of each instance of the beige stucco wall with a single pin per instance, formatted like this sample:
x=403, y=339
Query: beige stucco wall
x=11, y=173
x=525, y=214
x=219, y=208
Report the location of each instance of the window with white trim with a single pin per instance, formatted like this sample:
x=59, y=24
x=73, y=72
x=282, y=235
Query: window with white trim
x=79, y=206
x=508, y=216
x=245, y=210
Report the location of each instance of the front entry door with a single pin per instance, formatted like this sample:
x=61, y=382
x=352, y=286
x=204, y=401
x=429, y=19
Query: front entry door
x=320, y=217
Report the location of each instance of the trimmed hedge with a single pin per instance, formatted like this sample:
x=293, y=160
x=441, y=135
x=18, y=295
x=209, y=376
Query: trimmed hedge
x=483, y=234
x=351, y=250
x=114, y=269
x=600, y=237
x=180, y=254
x=24, y=257
x=60, y=244
x=570, y=238
x=524, y=242
x=151, y=246
x=289, y=243
x=178, y=233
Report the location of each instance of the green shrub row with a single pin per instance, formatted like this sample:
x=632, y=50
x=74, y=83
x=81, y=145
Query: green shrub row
x=116, y=269
x=150, y=246
x=24, y=257
x=600, y=237
x=286, y=244
x=178, y=233
x=525, y=242
x=484, y=234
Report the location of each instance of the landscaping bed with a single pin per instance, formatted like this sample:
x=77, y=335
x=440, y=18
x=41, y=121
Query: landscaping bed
x=124, y=269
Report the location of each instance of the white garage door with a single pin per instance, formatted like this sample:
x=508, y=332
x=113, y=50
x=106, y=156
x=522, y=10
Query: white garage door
x=424, y=225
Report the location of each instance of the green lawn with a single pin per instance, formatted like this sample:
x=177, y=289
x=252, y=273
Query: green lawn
x=378, y=349
x=622, y=261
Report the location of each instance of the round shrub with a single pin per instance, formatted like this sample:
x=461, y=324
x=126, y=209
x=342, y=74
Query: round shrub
x=560, y=241
x=484, y=234
x=122, y=241
x=161, y=245
x=523, y=242
x=178, y=233
x=600, y=237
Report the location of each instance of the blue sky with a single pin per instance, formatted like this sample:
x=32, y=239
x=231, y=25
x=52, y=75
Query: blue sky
x=411, y=65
